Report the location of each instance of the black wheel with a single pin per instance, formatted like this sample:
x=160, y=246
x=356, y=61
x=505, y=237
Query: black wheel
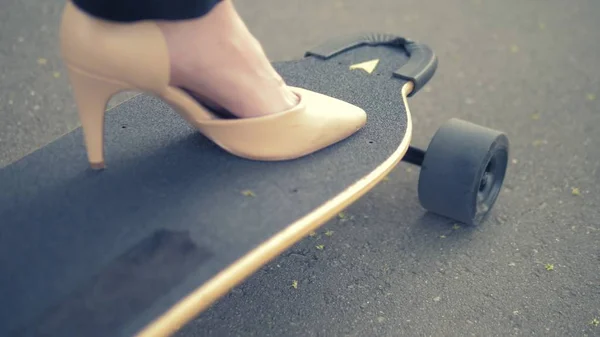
x=463, y=171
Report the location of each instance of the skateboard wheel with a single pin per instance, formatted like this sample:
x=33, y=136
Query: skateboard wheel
x=463, y=171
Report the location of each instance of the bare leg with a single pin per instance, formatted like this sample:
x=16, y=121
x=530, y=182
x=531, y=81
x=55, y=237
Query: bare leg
x=219, y=60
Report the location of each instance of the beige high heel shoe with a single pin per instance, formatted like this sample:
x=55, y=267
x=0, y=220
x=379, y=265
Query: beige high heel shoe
x=104, y=58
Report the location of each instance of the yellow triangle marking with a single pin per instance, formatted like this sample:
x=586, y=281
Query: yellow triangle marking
x=368, y=66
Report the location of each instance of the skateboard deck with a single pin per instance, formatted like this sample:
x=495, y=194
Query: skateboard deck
x=174, y=222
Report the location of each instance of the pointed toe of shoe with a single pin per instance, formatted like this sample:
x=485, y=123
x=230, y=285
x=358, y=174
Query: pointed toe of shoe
x=318, y=121
x=348, y=119
x=339, y=118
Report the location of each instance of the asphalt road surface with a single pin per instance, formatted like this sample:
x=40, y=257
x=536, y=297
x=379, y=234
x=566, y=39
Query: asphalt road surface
x=388, y=268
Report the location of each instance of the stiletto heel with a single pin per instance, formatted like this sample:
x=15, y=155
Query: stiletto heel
x=105, y=57
x=91, y=96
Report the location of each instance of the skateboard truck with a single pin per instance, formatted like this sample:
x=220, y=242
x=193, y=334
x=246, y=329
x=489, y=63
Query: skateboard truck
x=463, y=168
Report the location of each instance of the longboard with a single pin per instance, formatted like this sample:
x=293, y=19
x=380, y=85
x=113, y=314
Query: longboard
x=175, y=222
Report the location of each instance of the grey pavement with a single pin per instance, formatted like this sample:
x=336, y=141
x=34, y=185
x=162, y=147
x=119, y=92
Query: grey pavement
x=390, y=269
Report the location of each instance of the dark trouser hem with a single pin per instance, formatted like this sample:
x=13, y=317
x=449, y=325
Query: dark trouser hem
x=136, y=10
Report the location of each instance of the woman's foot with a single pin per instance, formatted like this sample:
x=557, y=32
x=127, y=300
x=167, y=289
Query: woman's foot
x=218, y=60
